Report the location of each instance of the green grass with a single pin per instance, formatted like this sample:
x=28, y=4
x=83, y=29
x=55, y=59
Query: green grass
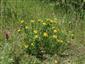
x=24, y=44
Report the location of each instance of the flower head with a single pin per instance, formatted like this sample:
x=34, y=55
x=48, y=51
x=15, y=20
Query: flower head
x=53, y=27
x=40, y=20
x=35, y=31
x=51, y=21
x=54, y=31
x=32, y=21
x=18, y=30
x=48, y=19
x=56, y=61
x=44, y=23
x=45, y=34
x=72, y=35
x=26, y=46
x=61, y=41
x=54, y=36
x=36, y=36
x=32, y=44
x=22, y=21
x=26, y=27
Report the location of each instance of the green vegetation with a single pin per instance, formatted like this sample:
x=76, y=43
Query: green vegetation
x=42, y=32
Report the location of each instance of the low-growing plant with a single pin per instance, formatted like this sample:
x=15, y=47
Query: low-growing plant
x=43, y=37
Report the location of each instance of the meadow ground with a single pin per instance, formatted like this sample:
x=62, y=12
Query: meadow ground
x=42, y=32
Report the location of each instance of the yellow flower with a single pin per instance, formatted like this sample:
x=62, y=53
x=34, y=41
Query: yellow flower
x=44, y=23
x=26, y=27
x=54, y=31
x=45, y=34
x=18, y=30
x=40, y=20
x=22, y=21
x=55, y=21
x=35, y=31
x=26, y=46
x=53, y=27
x=51, y=21
x=61, y=41
x=56, y=61
x=72, y=35
x=54, y=36
x=36, y=36
x=32, y=44
x=48, y=19
x=32, y=21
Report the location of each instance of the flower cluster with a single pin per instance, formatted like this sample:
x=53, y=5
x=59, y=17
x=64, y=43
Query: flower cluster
x=46, y=34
